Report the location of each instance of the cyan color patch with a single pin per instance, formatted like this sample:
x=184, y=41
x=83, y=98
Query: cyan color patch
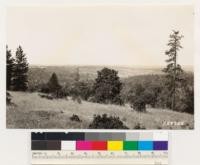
x=145, y=145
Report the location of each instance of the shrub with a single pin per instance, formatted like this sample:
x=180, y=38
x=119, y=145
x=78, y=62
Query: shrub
x=118, y=100
x=81, y=90
x=77, y=99
x=106, y=122
x=92, y=99
x=139, y=126
x=61, y=93
x=75, y=118
x=47, y=96
x=44, y=88
x=85, y=89
x=8, y=98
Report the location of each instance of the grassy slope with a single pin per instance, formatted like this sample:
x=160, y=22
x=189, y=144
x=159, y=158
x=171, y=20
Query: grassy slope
x=29, y=110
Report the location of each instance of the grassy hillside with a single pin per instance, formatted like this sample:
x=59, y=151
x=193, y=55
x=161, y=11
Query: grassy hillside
x=29, y=110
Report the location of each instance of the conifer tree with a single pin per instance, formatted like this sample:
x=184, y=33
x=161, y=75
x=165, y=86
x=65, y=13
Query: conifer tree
x=53, y=83
x=9, y=68
x=77, y=75
x=173, y=70
x=20, y=76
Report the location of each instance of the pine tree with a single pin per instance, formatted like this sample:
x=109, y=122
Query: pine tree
x=9, y=68
x=173, y=69
x=76, y=87
x=77, y=75
x=20, y=78
x=53, y=83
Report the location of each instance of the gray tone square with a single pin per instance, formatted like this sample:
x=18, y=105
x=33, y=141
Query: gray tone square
x=146, y=136
x=105, y=136
x=132, y=136
x=92, y=136
x=118, y=136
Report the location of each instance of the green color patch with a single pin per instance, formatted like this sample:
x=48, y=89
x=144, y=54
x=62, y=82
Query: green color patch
x=130, y=145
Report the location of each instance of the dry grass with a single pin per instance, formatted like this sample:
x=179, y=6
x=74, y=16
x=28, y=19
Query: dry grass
x=29, y=110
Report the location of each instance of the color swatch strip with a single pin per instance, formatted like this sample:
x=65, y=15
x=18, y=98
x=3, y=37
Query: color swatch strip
x=98, y=141
x=99, y=145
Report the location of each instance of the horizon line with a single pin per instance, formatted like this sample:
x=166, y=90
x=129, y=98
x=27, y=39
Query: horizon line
x=121, y=65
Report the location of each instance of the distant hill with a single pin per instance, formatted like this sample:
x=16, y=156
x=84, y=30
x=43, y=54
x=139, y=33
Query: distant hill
x=124, y=71
x=41, y=74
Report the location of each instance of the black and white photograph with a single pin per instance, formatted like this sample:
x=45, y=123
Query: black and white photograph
x=103, y=66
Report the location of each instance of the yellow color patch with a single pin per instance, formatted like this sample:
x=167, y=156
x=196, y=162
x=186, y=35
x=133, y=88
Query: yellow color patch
x=115, y=145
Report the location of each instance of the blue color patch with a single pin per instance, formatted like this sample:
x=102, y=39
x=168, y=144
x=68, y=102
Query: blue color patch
x=145, y=145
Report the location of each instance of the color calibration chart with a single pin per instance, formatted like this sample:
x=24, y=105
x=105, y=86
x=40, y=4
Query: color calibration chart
x=102, y=148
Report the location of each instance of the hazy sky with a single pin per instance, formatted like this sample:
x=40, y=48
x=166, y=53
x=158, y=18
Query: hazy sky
x=103, y=35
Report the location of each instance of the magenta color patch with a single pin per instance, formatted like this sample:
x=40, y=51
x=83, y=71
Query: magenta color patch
x=83, y=145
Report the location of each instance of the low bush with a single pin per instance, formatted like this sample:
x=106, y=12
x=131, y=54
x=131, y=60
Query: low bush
x=75, y=118
x=139, y=126
x=8, y=98
x=46, y=96
x=107, y=122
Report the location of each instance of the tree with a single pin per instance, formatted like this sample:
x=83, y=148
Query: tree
x=77, y=75
x=138, y=98
x=152, y=92
x=107, y=86
x=9, y=68
x=20, y=77
x=75, y=89
x=188, y=100
x=53, y=84
x=173, y=69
